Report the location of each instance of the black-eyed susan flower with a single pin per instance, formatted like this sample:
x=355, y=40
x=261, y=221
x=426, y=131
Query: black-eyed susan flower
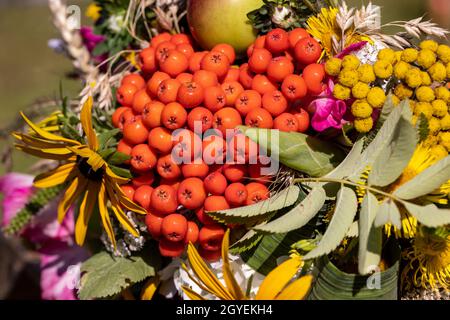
x=87, y=175
x=280, y=283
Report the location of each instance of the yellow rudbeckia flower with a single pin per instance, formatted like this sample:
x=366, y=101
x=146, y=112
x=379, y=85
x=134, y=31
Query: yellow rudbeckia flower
x=86, y=173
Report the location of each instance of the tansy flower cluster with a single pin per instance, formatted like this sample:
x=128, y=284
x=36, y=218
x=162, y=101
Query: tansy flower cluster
x=422, y=75
x=357, y=81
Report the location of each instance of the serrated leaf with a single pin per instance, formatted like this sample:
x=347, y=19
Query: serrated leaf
x=247, y=242
x=429, y=215
x=346, y=207
x=393, y=159
x=382, y=139
x=255, y=212
x=299, y=216
x=353, y=231
x=369, y=253
x=105, y=275
x=297, y=151
x=388, y=212
x=347, y=167
x=426, y=182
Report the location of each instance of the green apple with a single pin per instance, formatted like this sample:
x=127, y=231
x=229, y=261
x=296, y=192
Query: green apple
x=222, y=21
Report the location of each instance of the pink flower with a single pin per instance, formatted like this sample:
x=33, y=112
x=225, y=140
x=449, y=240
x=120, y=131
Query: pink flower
x=328, y=112
x=16, y=189
x=60, y=258
x=60, y=270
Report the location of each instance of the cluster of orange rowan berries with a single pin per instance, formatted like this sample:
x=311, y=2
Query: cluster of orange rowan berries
x=185, y=105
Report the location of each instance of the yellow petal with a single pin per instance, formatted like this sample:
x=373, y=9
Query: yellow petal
x=72, y=193
x=231, y=283
x=56, y=176
x=115, y=177
x=46, y=135
x=36, y=142
x=103, y=209
x=149, y=288
x=125, y=201
x=86, y=208
x=42, y=153
x=192, y=294
x=297, y=290
x=205, y=275
x=120, y=215
x=86, y=123
x=277, y=279
x=93, y=158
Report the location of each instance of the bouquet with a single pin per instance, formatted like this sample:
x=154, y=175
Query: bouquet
x=256, y=150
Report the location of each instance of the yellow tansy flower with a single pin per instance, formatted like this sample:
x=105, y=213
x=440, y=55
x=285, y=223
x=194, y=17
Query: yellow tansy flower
x=350, y=62
x=414, y=78
x=403, y=92
x=361, y=109
x=443, y=53
x=425, y=94
x=410, y=55
x=342, y=93
x=348, y=78
x=430, y=45
x=360, y=90
x=425, y=108
x=333, y=66
x=401, y=69
x=376, y=97
x=383, y=69
x=439, y=108
x=426, y=58
x=366, y=73
x=438, y=72
x=387, y=55
x=364, y=125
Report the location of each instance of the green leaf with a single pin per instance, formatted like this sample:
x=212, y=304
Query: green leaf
x=388, y=212
x=106, y=136
x=347, y=167
x=125, y=173
x=297, y=151
x=105, y=153
x=379, y=143
x=395, y=156
x=429, y=215
x=346, y=207
x=422, y=127
x=105, y=275
x=299, y=216
x=245, y=243
x=263, y=257
x=118, y=158
x=426, y=182
x=369, y=253
x=255, y=212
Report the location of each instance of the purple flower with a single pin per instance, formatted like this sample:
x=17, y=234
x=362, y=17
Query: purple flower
x=352, y=48
x=91, y=40
x=328, y=112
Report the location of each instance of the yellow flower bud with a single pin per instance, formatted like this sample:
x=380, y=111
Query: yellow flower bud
x=366, y=73
x=376, y=97
x=430, y=45
x=443, y=53
x=439, y=108
x=360, y=91
x=364, y=125
x=434, y=124
x=383, y=69
x=445, y=122
x=438, y=72
x=426, y=58
x=410, y=55
x=425, y=108
x=333, y=67
x=425, y=94
x=414, y=78
x=361, y=109
x=401, y=69
x=403, y=92
x=348, y=78
x=387, y=55
x=426, y=79
x=395, y=100
x=341, y=93
x=350, y=62
x=442, y=93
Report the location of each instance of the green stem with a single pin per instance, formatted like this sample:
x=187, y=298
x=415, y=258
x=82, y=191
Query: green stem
x=38, y=201
x=349, y=183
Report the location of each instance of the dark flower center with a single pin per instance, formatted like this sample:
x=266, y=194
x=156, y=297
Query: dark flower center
x=86, y=170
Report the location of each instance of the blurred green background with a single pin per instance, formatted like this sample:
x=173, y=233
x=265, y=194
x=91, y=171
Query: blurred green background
x=30, y=71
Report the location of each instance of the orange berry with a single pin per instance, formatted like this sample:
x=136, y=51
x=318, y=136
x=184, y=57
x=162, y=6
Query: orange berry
x=190, y=94
x=125, y=148
x=286, y=122
x=167, y=168
x=259, y=61
x=236, y=194
x=174, y=227
x=302, y=120
x=216, y=62
x=125, y=94
x=234, y=172
x=277, y=41
x=180, y=38
x=143, y=179
x=155, y=81
x=203, y=217
x=210, y=237
x=248, y=100
x=168, y=90
x=262, y=84
x=232, y=75
x=259, y=118
x=162, y=51
x=128, y=190
x=175, y=63
x=133, y=79
x=274, y=102
x=143, y=158
x=216, y=203
x=153, y=222
x=164, y=199
x=141, y=98
x=147, y=60
x=117, y=115
x=205, y=78
x=192, y=233
x=160, y=38
x=191, y=193
x=256, y=192
x=199, y=170
x=134, y=132
x=307, y=51
x=160, y=139
x=296, y=35
x=246, y=76
x=260, y=42
x=185, y=49
x=151, y=114
x=232, y=91
x=184, y=77
x=214, y=148
x=200, y=117
x=195, y=61
x=142, y=196
x=215, y=183
x=294, y=87
x=173, y=116
x=279, y=68
x=215, y=98
x=171, y=249
x=227, y=50
x=226, y=119
x=187, y=146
